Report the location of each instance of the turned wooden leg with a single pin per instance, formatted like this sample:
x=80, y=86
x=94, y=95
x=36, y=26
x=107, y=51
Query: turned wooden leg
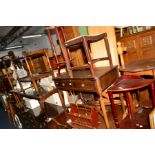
x=122, y=102
x=128, y=104
x=104, y=112
x=113, y=109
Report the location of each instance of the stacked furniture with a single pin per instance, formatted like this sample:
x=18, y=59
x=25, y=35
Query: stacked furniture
x=31, y=68
x=87, y=78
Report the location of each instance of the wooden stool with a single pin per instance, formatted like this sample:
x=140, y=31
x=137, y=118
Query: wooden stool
x=126, y=84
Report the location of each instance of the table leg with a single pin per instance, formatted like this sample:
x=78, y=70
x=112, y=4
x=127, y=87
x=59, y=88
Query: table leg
x=128, y=104
x=113, y=109
x=123, y=103
x=104, y=112
x=99, y=90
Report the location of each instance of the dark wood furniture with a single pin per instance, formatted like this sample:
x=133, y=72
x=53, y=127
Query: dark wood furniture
x=84, y=116
x=57, y=60
x=144, y=68
x=65, y=33
x=6, y=73
x=141, y=67
x=7, y=85
x=87, y=78
x=83, y=81
x=127, y=84
x=139, y=46
x=45, y=70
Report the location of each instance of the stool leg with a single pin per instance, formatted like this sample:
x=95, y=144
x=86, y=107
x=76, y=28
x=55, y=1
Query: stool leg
x=153, y=94
x=128, y=104
x=113, y=109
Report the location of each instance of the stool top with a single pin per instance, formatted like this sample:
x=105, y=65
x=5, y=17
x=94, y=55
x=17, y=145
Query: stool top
x=128, y=84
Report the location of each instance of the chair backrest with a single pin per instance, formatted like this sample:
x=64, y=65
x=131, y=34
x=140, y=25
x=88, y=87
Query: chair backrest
x=59, y=60
x=37, y=61
x=84, y=42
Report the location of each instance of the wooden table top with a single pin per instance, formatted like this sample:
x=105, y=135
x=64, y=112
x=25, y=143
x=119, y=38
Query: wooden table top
x=129, y=84
x=139, y=66
x=85, y=74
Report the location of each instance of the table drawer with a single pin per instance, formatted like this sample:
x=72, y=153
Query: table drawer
x=64, y=84
x=108, y=78
x=84, y=85
x=76, y=85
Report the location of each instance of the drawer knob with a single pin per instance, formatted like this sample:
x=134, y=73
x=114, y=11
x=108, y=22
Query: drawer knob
x=63, y=84
x=70, y=83
x=82, y=85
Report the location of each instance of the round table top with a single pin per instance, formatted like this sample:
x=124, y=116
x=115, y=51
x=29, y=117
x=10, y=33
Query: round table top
x=139, y=66
x=130, y=84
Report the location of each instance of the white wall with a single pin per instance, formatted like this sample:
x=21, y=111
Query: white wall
x=98, y=49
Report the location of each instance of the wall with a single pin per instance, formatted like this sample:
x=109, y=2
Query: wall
x=99, y=47
x=83, y=30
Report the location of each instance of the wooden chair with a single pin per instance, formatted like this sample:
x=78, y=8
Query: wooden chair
x=38, y=66
x=85, y=41
x=59, y=62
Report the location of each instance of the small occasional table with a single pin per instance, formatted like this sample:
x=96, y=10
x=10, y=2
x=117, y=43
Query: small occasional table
x=142, y=67
x=145, y=67
x=127, y=84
